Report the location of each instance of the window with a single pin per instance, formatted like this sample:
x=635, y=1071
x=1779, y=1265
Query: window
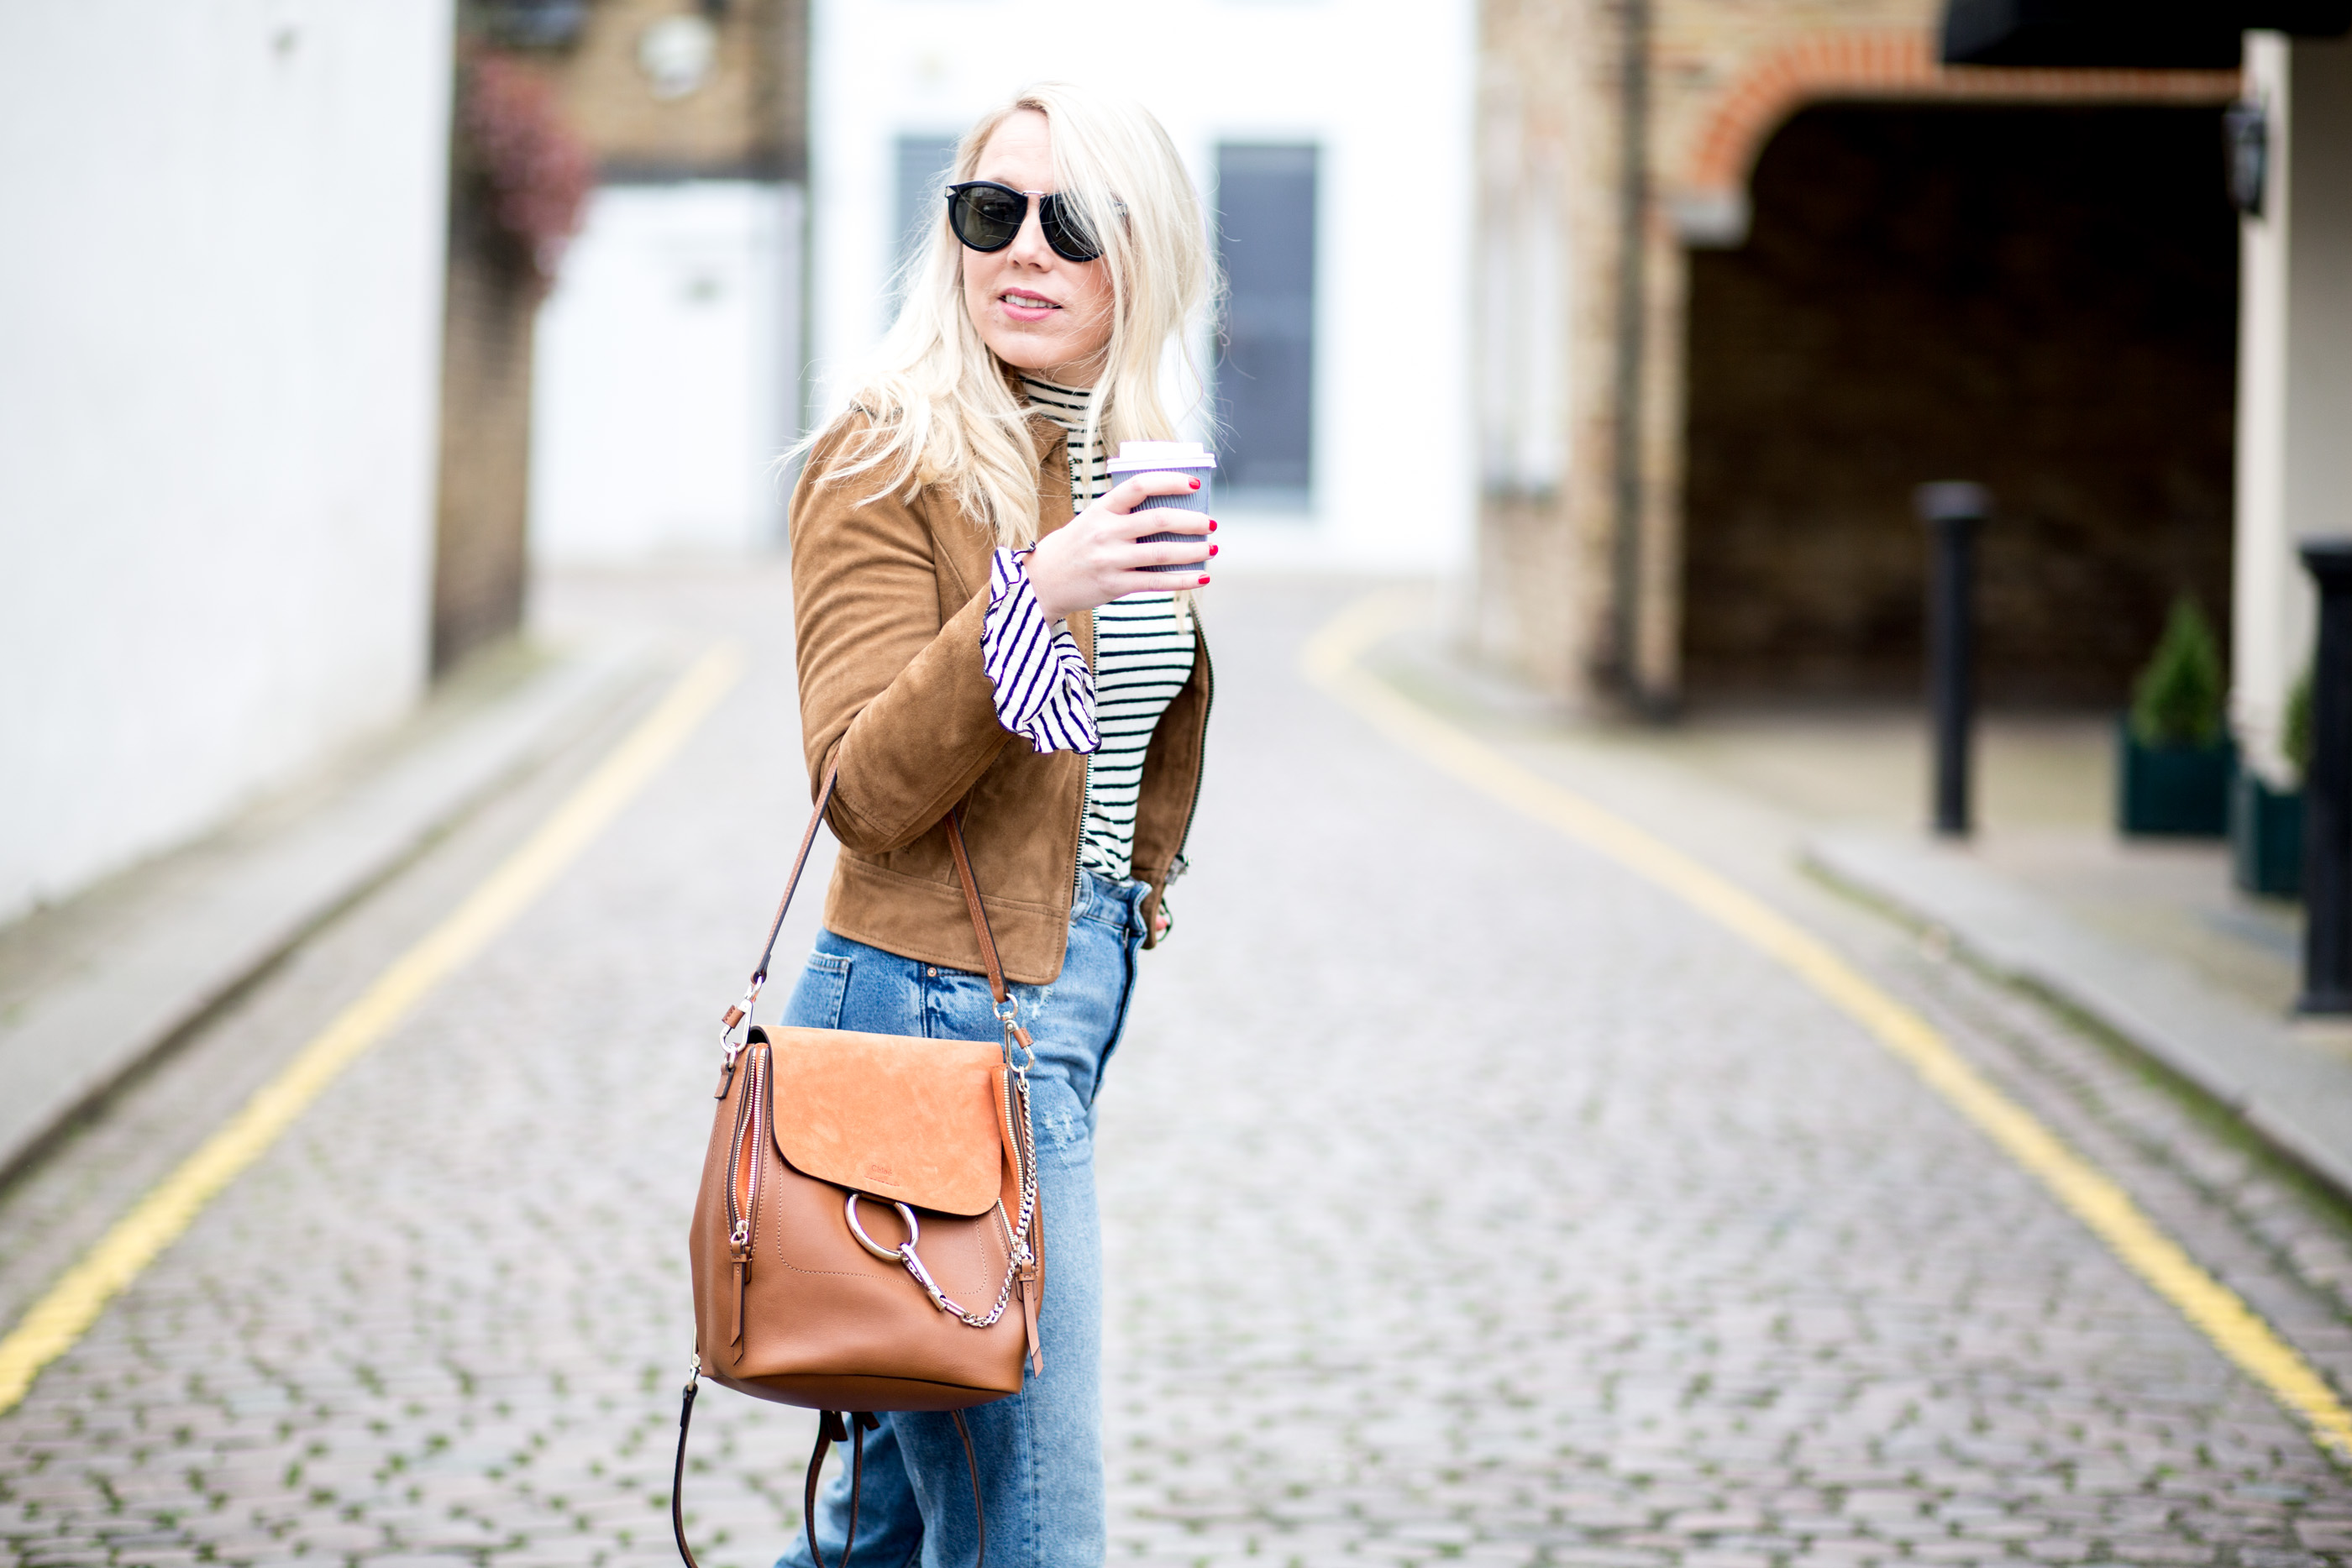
x=1266, y=362
x=925, y=164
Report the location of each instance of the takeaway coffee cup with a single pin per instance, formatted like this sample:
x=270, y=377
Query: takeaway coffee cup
x=1188, y=458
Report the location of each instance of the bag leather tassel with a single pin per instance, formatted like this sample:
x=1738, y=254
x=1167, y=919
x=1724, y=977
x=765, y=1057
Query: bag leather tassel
x=678, y=1475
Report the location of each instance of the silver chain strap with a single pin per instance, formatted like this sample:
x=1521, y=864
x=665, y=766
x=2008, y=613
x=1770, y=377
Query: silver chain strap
x=1021, y=1256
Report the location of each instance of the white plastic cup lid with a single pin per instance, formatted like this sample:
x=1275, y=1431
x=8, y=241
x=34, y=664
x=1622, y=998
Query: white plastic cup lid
x=1142, y=456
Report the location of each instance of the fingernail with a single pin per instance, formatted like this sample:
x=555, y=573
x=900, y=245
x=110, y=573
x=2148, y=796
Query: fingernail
x=1204, y=583
x=1196, y=484
x=1212, y=524
x=1213, y=549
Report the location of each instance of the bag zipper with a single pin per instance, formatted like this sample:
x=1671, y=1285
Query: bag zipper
x=742, y=1183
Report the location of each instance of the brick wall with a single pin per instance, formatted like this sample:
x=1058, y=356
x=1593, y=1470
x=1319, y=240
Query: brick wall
x=1554, y=599
x=1548, y=99
x=480, y=561
x=748, y=118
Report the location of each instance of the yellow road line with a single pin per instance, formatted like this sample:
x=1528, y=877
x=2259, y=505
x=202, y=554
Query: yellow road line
x=73, y=1303
x=2219, y=1312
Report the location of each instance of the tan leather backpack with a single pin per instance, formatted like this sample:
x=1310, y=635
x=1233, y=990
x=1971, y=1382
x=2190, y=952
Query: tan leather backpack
x=866, y=1236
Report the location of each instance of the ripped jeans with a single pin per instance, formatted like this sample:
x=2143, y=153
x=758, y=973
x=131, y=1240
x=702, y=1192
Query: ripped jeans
x=1039, y=1451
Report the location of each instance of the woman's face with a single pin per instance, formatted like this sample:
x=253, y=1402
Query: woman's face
x=1038, y=310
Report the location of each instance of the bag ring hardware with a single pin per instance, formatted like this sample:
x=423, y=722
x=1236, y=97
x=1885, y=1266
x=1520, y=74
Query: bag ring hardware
x=737, y=1017
x=887, y=1254
x=905, y=1254
x=1008, y=1018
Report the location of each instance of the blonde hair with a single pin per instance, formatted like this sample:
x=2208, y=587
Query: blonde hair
x=939, y=410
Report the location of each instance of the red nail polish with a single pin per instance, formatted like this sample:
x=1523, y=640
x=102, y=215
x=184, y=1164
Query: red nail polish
x=1212, y=524
x=1213, y=549
x=1204, y=583
x=1196, y=484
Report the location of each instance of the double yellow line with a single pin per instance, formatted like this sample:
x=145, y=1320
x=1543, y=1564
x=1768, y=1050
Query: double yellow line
x=1330, y=660
x=73, y=1303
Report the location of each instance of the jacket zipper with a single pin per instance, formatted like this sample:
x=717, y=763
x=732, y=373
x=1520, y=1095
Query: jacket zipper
x=1094, y=635
x=1078, y=858
x=1201, y=770
x=1087, y=784
x=1085, y=793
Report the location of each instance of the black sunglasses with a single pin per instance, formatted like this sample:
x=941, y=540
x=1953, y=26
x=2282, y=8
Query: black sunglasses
x=987, y=216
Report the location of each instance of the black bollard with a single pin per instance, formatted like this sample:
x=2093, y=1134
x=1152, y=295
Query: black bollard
x=1953, y=510
x=2327, y=790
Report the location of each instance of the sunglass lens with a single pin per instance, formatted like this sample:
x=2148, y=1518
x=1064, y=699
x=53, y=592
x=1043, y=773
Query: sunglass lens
x=985, y=218
x=1063, y=235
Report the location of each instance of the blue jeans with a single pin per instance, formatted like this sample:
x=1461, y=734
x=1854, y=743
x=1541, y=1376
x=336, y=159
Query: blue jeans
x=1040, y=1451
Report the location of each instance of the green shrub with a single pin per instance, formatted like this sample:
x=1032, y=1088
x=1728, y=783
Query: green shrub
x=2296, y=739
x=2177, y=701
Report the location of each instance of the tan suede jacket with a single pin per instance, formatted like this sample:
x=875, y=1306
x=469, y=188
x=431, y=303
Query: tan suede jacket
x=889, y=597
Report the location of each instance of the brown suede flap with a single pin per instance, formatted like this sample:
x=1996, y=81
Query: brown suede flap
x=911, y=1120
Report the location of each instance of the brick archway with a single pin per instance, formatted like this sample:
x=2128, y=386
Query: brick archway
x=2040, y=296
x=1706, y=185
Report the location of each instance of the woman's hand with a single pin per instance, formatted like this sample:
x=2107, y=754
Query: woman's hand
x=1093, y=558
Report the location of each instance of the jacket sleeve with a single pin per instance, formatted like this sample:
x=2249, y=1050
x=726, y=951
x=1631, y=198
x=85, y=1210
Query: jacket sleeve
x=891, y=681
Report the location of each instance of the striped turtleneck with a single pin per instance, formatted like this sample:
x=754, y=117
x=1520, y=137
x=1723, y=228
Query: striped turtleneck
x=1144, y=648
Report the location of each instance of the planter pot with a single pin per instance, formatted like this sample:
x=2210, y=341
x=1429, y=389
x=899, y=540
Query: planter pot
x=2266, y=838
x=2182, y=792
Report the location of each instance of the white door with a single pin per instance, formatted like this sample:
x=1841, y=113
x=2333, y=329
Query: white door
x=666, y=375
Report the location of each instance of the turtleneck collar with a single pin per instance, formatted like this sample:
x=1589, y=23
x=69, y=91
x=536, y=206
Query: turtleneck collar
x=1066, y=406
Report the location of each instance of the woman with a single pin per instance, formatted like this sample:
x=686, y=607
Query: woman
x=978, y=625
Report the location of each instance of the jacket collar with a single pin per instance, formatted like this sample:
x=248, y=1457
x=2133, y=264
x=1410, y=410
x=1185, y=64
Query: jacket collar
x=1046, y=436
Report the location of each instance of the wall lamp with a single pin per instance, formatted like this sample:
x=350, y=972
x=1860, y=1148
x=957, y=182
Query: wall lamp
x=534, y=24
x=2246, y=140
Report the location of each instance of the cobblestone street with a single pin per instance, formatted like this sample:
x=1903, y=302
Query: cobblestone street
x=1468, y=1199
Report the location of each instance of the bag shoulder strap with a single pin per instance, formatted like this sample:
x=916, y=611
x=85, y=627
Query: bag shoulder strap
x=979, y=911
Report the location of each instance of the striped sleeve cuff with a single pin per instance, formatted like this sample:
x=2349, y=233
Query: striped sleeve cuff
x=1045, y=692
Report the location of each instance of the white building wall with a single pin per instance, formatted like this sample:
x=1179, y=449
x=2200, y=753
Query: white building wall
x=1383, y=87
x=219, y=351
x=2294, y=376
x=668, y=374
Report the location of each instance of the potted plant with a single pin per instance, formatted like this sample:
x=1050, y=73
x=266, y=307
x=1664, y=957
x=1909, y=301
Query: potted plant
x=2266, y=825
x=2173, y=756
x=524, y=175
